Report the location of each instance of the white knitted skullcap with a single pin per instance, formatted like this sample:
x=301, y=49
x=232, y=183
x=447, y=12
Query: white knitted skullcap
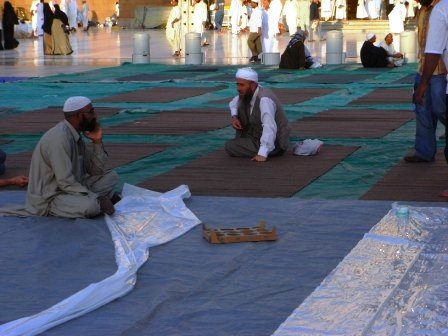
x=76, y=103
x=369, y=36
x=247, y=74
x=256, y=1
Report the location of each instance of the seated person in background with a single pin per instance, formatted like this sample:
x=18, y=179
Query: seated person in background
x=258, y=117
x=294, y=56
x=395, y=58
x=372, y=56
x=67, y=178
x=19, y=181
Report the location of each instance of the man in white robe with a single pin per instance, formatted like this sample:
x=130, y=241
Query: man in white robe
x=291, y=12
x=341, y=10
x=173, y=27
x=394, y=57
x=372, y=10
x=73, y=15
x=304, y=15
x=33, y=12
x=199, y=19
x=397, y=17
x=235, y=16
x=85, y=15
x=244, y=17
x=361, y=12
x=326, y=9
x=269, y=28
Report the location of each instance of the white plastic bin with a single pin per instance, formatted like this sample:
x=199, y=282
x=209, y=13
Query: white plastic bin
x=272, y=58
x=141, y=53
x=334, y=53
x=408, y=46
x=193, y=53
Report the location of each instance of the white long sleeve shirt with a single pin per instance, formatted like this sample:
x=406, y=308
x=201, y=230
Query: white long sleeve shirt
x=268, y=110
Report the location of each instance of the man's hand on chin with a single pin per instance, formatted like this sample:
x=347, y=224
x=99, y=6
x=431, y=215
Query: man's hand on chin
x=259, y=158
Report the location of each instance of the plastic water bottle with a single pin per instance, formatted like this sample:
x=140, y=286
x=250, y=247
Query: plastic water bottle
x=402, y=215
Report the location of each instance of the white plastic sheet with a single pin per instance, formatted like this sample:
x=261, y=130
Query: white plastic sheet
x=142, y=219
x=394, y=282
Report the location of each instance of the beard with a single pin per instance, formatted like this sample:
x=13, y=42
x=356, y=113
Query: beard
x=88, y=125
x=246, y=98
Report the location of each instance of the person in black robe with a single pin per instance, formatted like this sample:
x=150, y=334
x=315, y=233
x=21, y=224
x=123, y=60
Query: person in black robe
x=294, y=56
x=372, y=56
x=9, y=20
x=59, y=14
x=46, y=27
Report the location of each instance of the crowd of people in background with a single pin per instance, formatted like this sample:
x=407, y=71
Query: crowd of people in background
x=263, y=20
x=51, y=22
x=297, y=14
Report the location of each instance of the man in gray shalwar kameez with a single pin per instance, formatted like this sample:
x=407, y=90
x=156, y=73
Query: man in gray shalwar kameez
x=67, y=178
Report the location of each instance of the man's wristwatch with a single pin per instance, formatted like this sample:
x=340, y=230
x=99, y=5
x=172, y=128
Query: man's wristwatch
x=234, y=116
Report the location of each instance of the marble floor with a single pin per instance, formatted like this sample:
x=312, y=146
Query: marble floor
x=106, y=47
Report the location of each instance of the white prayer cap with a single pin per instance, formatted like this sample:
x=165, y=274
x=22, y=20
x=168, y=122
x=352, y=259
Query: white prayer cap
x=369, y=36
x=256, y=1
x=76, y=103
x=247, y=74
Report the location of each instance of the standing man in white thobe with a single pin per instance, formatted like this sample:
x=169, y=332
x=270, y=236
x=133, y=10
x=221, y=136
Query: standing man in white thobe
x=269, y=28
x=372, y=10
x=397, y=17
x=33, y=12
x=304, y=15
x=341, y=10
x=277, y=8
x=235, y=16
x=326, y=9
x=173, y=27
x=199, y=19
x=85, y=15
x=244, y=17
x=73, y=15
x=361, y=12
x=291, y=12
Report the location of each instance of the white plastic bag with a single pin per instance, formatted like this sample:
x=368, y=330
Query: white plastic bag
x=308, y=147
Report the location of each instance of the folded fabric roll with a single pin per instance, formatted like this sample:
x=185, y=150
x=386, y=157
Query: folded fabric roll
x=308, y=147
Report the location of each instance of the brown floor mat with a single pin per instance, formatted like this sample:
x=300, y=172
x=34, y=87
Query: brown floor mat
x=351, y=123
x=185, y=121
x=332, y=79
x=289, y=96
x=385, y=96
x=217, y=174
x=119, y=154
x=406, y=80
x=412, y=182
x=232, y=78
x=151, y=77
x=39, y=121
x=159, y=94
x=295, y=96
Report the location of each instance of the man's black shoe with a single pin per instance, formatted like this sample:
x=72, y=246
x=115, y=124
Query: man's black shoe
x=415, y=159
